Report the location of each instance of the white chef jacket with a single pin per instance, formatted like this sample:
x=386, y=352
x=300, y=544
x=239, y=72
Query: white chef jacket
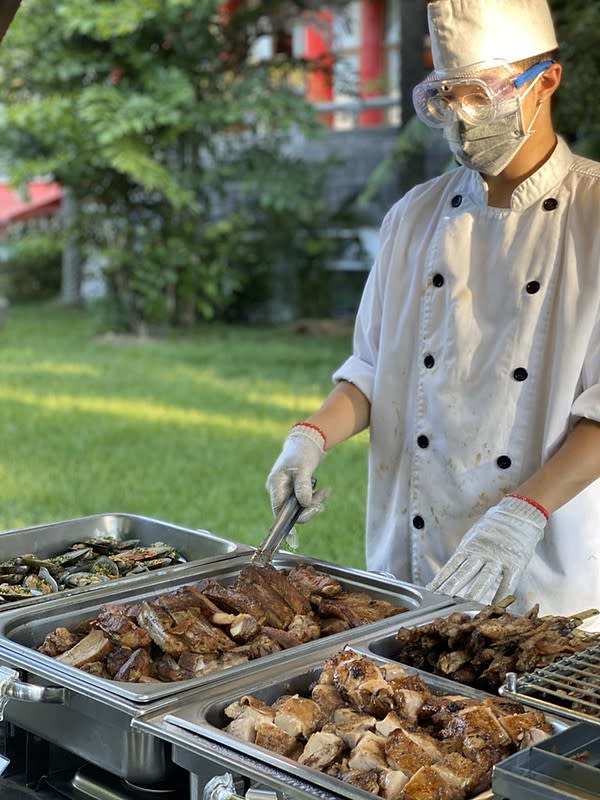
x=477, y=342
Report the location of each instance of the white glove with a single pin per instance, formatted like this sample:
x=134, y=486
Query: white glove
x=303, y=451
x=491, y=557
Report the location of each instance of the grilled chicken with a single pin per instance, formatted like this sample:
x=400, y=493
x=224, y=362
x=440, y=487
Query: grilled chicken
x=327, y=698
x=321, y=750
x=369, y=753
x=351, y=725
x=410, y=751
x=299, y=716
x=274, y=738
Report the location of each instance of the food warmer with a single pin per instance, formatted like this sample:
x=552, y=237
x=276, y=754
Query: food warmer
x=92, y=717
x=194, y=547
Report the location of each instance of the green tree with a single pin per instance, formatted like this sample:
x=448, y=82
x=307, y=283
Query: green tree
x=171, y=141
x=577, y=110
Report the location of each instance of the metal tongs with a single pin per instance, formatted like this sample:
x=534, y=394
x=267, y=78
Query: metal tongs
x=280, y=530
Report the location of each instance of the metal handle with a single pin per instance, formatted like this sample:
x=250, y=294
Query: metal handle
x=286, y=519
x=222, y=787
x=11, y=688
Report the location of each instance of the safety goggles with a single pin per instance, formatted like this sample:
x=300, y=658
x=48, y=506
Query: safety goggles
x=477, y=95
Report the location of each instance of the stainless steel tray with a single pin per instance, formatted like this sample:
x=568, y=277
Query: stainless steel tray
x=564, y=767
x=196, y=546
x=201, y=719
x=23, y=630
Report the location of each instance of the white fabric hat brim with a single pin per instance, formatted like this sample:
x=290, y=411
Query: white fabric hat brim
x=465, y=32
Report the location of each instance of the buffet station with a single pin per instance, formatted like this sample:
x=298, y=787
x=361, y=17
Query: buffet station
x=140, y=659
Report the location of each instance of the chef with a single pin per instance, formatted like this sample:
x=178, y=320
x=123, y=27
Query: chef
x=476, y=356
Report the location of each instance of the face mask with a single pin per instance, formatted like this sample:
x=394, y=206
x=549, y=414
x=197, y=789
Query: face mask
x=490, y=147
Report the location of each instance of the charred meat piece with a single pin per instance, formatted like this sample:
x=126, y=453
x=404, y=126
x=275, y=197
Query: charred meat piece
x=93, y=647
x=272, y=737
x=310, y=582
x=428, y=783
x=58, y=641
x=96, y=668
x=183, y=598
x=517, y=725
x=249, y=701
x=229, y=599
x=138, y=665
x=409, y=751
x=158, y=624
x=360, y=682
x=331, y=625
x=392, y=783
x=327, y=698
x=116, y=658
x=167, y=669
x=305, y=628
x=351, y=725
x=199, y=635
x=369, y=753
x=122, y=629
x=321, y=750
x=198, y=663
x=358, y=608
x=278, y=613
x=299, y=716
x=367, y=781
x=275, y=580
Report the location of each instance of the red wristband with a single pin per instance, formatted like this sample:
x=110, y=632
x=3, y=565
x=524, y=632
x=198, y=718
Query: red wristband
x=315, y=428
x=531, y=502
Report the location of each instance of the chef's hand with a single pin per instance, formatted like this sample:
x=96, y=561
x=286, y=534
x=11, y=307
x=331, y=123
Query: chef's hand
x=303, y=450
x=491, y=557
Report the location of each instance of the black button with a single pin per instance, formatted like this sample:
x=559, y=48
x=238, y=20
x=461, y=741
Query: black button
x=429, y=361
x=533, y=287
x=423, y=441
x=503, y=462
x=550, y=204
x=456, y=200
x=438, y=280
x=520, y=374
x=418, y=522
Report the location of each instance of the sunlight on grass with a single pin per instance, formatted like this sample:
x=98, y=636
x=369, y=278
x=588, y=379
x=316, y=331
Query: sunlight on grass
x=139, y=410
x=51, y=368
x=185, y=430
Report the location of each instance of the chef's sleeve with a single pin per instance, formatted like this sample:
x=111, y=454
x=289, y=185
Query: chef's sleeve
x=587, y=405
x=360, y=368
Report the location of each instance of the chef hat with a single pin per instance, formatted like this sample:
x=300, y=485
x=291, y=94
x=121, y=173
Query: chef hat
x=465, y=32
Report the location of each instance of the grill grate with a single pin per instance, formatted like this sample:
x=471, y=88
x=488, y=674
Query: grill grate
x=569, y=687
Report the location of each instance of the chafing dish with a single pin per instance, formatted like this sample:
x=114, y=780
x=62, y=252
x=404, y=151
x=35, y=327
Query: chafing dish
x=92, y=718
x=23, y=630
x=46, y=541
x=195, y=728
x=564, y=767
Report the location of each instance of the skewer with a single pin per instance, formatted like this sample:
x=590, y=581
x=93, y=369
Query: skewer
x=583, y=615
x=507, y=601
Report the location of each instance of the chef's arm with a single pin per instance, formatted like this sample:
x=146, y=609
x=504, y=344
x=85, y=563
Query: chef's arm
x=574, y=466
x=345, y=412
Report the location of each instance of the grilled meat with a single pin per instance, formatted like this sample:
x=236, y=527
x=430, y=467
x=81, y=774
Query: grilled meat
x=121, y=629
x=309, y=582
x=199, y=628
x=479, y=650
x=299, y=716
x=321, y=750
x=138, y=665
x=93, y=647
x=59, y=641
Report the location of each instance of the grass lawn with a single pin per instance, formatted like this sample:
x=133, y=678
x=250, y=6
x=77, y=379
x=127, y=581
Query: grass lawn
x=183, y=429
